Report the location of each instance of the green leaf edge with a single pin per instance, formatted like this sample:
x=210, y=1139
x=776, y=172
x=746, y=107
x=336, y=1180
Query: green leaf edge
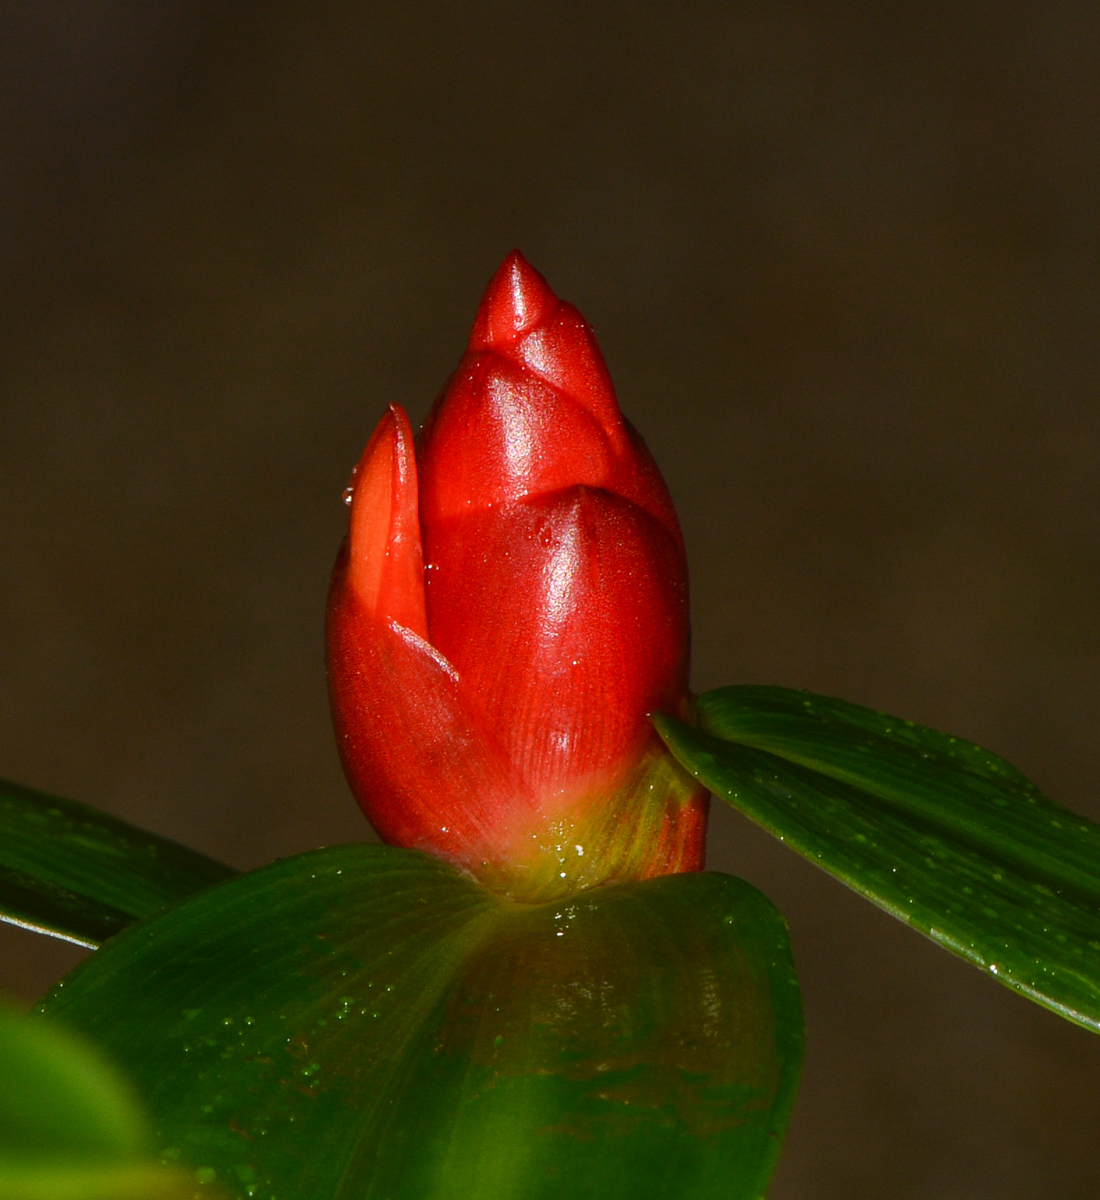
x=70, y=871
x=70, y=1126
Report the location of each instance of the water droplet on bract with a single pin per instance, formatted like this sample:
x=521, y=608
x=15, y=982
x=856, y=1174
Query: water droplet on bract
x=349, y=494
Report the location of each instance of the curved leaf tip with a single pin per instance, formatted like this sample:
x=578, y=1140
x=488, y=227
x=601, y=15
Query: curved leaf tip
x=941, y=833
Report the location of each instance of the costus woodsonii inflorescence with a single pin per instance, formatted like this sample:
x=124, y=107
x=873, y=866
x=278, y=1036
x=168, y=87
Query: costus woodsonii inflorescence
x=509, y=607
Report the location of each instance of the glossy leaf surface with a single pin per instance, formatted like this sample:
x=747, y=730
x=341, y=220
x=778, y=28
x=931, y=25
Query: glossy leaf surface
x=73, y=872
x=937, y=831
x=364, y=1021
x=70, y=1129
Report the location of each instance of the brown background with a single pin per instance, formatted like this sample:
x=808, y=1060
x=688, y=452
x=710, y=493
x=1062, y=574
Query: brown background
x=842, y=259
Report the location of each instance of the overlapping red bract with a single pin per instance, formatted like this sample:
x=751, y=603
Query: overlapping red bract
x=509, y=607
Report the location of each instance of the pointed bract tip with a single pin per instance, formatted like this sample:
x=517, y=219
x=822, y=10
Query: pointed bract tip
x=516, y=300
x=386, y=564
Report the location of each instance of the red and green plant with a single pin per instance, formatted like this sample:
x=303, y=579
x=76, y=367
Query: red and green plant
x=533, y=990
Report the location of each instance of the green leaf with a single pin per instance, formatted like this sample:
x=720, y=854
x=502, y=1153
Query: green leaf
x=366, y=1022
x=75, y=873
x=70, y=1128
x=937, y=831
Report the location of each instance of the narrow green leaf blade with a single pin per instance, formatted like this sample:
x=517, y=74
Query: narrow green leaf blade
x=937, y=831
x=73, y=872
x=978, y=797
x=366, y=1022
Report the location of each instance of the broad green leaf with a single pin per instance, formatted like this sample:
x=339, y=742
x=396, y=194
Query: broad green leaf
x=937, y=831
x=365, y=1022
x=75, y=873
x=70, y=1128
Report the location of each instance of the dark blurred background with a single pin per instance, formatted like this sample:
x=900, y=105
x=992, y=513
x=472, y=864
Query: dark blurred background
x=842, y=259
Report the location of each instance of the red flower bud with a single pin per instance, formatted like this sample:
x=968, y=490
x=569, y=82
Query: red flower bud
x=508, y=609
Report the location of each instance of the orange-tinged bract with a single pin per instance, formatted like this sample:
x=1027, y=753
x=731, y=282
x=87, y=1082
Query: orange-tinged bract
x=508, y=609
